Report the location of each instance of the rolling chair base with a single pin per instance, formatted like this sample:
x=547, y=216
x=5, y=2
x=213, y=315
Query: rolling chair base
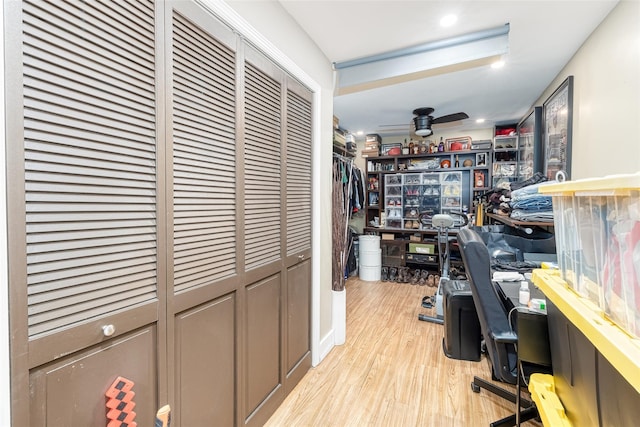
x=528, y=411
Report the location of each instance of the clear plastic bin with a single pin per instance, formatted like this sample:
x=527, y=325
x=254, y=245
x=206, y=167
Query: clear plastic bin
x=597, y=223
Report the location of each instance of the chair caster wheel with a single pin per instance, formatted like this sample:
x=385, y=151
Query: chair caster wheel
x=475, y=387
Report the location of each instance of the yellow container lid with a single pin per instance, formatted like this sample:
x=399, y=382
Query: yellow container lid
x=608, y=185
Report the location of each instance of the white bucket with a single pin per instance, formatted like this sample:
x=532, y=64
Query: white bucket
x=371, y=258
x=368, y=243
x=369, y=274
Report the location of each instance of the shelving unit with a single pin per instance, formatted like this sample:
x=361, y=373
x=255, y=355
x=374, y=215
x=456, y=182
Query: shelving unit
x=428, y=167
x=505, y=155
x=401, y=188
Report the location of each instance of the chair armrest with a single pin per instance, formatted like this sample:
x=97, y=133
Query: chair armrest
x=505, y=337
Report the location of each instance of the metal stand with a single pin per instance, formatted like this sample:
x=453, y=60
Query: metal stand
x=443, y=223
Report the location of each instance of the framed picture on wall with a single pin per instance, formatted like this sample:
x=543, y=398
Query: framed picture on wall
x=481, y=159
x=558, y=122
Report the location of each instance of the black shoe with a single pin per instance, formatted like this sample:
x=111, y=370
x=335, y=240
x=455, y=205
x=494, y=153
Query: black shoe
x=424, y=274
x=402, y=275
x=406, y=275
x=415, y=277
x=384, y=274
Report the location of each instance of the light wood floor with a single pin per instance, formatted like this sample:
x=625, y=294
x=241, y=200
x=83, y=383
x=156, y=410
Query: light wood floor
x=391, y=371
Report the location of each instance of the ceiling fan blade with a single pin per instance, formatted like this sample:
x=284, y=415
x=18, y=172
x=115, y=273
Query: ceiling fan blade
x=397, y=125
x=450, y=118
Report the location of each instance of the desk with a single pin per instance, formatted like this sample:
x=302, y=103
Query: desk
x=534, y=349
x=510, y=293
x=532, y=327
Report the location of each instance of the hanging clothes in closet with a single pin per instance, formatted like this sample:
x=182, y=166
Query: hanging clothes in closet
x=348, y=197
x=357, y=189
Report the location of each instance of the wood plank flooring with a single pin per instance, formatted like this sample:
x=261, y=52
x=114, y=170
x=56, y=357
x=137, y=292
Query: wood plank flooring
x=391, y=371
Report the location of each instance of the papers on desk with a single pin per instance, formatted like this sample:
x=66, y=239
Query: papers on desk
x=507, y=276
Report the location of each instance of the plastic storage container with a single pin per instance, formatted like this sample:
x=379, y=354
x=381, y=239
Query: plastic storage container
x=451, y=194
x=370, y=258
x=393, y=201
x=597, y=223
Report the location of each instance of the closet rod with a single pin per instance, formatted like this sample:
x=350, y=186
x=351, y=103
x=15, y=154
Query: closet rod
x=341, y=157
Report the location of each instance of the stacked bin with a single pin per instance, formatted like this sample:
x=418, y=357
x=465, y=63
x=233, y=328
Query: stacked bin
x=393, y=200
x=370, y=258
x=597, y=224
x=451, y=194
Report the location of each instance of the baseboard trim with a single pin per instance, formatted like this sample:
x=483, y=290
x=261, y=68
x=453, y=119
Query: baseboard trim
x=326, y=345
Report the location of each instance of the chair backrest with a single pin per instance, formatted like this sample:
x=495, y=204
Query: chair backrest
x=499, y=338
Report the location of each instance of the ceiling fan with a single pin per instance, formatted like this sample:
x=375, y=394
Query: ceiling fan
x=423, y=120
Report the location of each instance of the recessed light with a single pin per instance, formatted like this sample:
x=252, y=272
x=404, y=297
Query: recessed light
x=498, y=64
x=479, y=120
x=448, y=20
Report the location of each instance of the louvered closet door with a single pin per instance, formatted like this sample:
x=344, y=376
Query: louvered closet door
x=264, y=217
x=204, y=272
x=298, y=232
x=262, y=165
x=90, y=213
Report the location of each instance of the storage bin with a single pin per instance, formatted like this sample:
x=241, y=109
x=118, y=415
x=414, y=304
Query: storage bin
x=368, y=243
x=369, y=273
x=422, y=248
x=597, y=223
x=421, y=259
x=371, y=258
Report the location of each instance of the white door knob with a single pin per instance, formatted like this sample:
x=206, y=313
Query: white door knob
x=108, y=330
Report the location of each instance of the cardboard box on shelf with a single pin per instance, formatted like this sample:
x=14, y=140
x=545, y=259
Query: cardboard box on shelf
x=370, y=153
x=373, y=137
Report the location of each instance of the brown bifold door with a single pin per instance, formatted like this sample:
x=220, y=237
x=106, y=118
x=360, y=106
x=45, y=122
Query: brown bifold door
x=204, y=235
x=159, y=174
x=87, y=276
x=298, y=232
x=277, y=230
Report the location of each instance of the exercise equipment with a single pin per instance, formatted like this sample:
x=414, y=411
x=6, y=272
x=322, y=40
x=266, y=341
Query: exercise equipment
x=443, y=223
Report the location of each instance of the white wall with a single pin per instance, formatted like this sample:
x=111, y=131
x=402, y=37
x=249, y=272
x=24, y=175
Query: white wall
x=606, y=102
x=5, y=379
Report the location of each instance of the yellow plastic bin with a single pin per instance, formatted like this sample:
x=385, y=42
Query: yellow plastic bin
x=550, y=409
x=597, y=224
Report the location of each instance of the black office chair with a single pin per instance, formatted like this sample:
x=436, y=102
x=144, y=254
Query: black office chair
x=499, y=338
